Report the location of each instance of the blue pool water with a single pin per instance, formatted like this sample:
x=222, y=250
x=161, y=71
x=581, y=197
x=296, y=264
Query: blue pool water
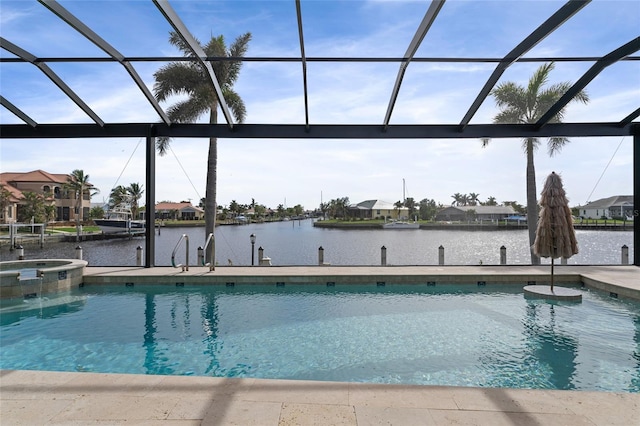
x=447, y=335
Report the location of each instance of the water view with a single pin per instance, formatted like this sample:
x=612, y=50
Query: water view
x=297, y=243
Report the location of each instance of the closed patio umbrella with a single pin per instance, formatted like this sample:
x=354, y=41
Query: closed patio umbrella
x=555, y=236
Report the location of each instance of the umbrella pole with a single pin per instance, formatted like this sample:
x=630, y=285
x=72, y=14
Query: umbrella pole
x=552, y=274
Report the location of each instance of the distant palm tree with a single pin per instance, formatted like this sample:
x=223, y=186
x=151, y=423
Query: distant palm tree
x=520, y=104
x=473, y=199
x=189, y=78
x=458, y=199
x=411, y=204
x=78, y=184
x=491, y=201
x=31, y=207
x=118, y=196
x=5, y=201
x=134, y=193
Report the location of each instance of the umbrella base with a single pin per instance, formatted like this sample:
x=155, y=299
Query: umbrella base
x=558, y=293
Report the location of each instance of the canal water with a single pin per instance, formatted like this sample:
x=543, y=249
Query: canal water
x=297, y=243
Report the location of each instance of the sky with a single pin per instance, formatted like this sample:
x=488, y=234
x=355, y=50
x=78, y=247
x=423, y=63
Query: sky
x=307, y=172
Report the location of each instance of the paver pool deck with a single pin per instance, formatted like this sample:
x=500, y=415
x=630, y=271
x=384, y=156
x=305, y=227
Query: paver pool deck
x=53, y=398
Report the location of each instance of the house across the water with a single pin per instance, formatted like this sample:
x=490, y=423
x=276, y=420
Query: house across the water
x=50, y=186
x=178, y=211
x=465, y=213
x=618, y=206
x=378, y=209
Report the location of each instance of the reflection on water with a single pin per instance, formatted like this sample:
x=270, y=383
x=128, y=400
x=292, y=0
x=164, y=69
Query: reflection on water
x=16, y=310
x=549, y=345
x=297, y=243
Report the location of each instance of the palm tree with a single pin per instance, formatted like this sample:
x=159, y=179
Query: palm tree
x=189, y=78
x=31, y=207
x=410, y=203
x=473, y=199
x=396, y=207
x=118, y=196
x=78, y=184
x=134, y=193
x=524, y=105
x=5, y=201
x=491, y=201
x=457, y=199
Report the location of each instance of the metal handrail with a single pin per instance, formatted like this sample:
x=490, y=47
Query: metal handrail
x=173, y=255
x=211, y=264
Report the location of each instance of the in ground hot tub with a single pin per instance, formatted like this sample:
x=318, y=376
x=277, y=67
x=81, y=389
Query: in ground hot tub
x=32, y=278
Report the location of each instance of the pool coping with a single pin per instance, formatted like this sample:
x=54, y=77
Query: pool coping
x=43, y=398
x=619, y=280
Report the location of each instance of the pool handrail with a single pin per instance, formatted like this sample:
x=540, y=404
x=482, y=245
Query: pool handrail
x=211, y=264
x=184, y=267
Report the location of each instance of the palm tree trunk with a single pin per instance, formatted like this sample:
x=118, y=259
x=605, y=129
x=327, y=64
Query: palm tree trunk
x=210, y=205
x=532, y=201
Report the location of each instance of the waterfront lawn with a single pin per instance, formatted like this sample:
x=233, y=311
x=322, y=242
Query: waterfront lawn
x=72, y=229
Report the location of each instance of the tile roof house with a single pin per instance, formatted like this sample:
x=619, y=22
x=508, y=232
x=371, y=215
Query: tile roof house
x=378, y=209
x=178, y=211
x=616, y=206
x=51, y=185
x=460, y=213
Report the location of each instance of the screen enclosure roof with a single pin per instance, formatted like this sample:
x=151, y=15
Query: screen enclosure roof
x=431, y=49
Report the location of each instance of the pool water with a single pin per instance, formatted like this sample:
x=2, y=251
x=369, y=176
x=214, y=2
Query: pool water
x=446, y=335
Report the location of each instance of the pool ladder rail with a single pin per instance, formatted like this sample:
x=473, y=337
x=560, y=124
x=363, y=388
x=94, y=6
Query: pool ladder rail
x=185, y=267
x=201, y=251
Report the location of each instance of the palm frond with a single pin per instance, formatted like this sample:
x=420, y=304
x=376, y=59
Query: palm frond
x=189, y=110
x=535, y=143
x=237, y=49
x=236, y=104
x=176, y=78
x=508, y=116
x=216, y=47
x=536, y=82
x=508, y=94
x=555, y=145
x=162, y=145
x=178, y=42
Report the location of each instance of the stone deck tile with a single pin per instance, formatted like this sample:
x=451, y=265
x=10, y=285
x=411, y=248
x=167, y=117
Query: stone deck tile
x=52, y=398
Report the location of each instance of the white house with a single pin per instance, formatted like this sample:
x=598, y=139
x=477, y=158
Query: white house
x=616, y=206
x=378, y=209
x=462, y=213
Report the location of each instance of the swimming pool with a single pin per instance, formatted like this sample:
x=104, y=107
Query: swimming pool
x=461, y=335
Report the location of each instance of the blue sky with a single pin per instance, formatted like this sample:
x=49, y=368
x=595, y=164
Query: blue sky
x=305, y=171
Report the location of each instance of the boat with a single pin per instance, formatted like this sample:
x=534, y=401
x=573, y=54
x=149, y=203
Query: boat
x=400, y=224
x=118, y=221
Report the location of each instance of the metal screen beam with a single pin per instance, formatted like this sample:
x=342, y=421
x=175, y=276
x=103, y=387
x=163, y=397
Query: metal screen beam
x=636, y=199
x=172, y=17
x=629, y=118
x=150, y=200
x=611, y=58
x=547, y=27
x=361, y=59
x=17, y=111
x=304, y=65
x=10, y=47
x=429, y=17
x=79, y=26
x=320, y=131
